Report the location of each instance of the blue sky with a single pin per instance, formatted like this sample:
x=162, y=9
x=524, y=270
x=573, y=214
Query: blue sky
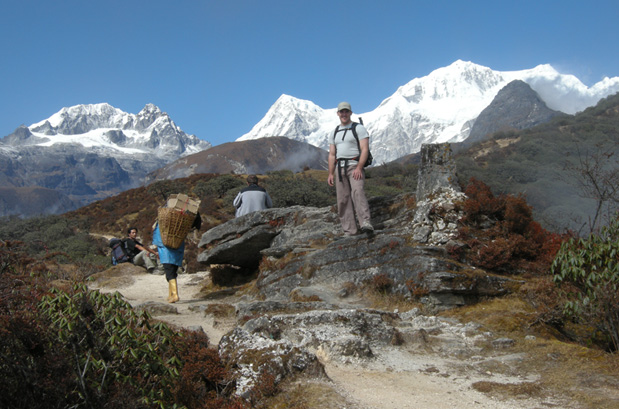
x=216, y=67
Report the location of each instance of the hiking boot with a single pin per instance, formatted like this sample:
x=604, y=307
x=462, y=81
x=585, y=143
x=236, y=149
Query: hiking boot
x=173, y=291
x=367, y=228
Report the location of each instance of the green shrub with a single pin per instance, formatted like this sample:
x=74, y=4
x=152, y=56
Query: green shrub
x=73, y=348
x=218, y=186
x=111, y=346
x=588, y=269
x=287, y=189
x=54, y=236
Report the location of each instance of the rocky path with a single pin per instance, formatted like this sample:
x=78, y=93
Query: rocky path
x=398, y=378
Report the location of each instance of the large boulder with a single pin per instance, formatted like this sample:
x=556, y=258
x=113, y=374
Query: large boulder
x=240, y=241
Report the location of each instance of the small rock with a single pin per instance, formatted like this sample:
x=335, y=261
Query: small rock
x=502, y=343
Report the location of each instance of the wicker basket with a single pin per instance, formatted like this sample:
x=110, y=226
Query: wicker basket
x=174, y=226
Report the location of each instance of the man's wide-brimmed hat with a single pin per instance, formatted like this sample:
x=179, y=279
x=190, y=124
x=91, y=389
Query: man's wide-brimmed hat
x=344, y=105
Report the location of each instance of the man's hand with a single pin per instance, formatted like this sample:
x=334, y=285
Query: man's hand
x=357, y=174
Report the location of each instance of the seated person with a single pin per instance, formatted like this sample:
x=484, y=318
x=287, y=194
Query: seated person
x=252, y=198
x=138, y=253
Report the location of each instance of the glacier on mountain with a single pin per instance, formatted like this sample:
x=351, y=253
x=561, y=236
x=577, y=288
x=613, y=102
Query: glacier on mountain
x=440, y=107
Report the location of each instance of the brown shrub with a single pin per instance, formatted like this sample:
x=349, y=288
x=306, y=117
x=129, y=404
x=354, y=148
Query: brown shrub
x=515, y=243
x=481, y=201
x=381, y=283
x=204, y=381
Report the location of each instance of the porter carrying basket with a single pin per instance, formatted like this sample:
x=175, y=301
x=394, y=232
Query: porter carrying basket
x=174, y=225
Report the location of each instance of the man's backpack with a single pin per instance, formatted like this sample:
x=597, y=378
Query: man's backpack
x=353, y=127
x=120, y=252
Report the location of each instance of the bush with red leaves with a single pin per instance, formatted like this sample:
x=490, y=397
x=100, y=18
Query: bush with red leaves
x=499, y=234
x=204, y=381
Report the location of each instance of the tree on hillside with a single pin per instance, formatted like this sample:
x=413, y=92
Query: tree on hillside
x=596, y=174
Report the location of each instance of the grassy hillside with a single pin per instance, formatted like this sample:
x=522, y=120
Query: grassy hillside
x=547, y=164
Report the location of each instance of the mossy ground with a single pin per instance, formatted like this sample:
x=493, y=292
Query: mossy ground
x=586, y=375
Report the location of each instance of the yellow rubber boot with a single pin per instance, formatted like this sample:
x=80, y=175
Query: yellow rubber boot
x=173, y=291
x=169, y=292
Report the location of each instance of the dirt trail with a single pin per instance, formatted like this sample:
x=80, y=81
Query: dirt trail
x=410, y=380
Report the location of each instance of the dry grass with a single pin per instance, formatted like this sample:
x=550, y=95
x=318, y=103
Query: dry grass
x=510, y=390
x=298, y=296
x=220, y=310
x=585, y=375
x=387, y=301
x=306, y=394
x=117, y=276
x=508, y=315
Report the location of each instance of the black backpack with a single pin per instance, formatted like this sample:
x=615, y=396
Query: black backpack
x=120, y=252
x=353, y=127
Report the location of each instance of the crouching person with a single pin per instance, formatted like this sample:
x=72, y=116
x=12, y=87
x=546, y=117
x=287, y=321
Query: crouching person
x=172, y=259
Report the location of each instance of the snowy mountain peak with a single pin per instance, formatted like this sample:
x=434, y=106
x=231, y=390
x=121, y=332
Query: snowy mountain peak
x=439, y=107
x=291, y=117
x=69, y=114
x=149, y=109
x=296, y=105
x=109, y=129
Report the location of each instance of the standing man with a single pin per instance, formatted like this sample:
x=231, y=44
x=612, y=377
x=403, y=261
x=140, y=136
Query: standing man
x=252, y=198
x=347, y=155
x=138, y=253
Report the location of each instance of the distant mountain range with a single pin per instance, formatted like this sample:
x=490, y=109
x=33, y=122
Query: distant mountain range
x=88, y=152
x=440, y=107
x=85, y=153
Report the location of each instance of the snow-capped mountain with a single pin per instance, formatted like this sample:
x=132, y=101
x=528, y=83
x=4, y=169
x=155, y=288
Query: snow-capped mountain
x=86, y=153
x=105, y=128
x=440, y=107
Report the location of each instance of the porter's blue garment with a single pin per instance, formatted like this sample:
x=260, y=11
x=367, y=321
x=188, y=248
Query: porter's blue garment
x=166, y=254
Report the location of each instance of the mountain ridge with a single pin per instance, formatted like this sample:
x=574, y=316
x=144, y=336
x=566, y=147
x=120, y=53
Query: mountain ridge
x=440, y=107
x=257, y=156
x=516, y=106
x=86, y=153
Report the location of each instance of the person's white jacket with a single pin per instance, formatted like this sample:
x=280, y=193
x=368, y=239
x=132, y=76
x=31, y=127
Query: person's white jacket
x=251, y=199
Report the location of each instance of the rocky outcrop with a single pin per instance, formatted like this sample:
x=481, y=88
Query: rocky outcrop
x=300, y=250
x=241, y=241
x=438, y=195
x=305, y=296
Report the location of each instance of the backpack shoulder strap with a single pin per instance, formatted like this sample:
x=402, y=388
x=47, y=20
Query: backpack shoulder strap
x=353, y=127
